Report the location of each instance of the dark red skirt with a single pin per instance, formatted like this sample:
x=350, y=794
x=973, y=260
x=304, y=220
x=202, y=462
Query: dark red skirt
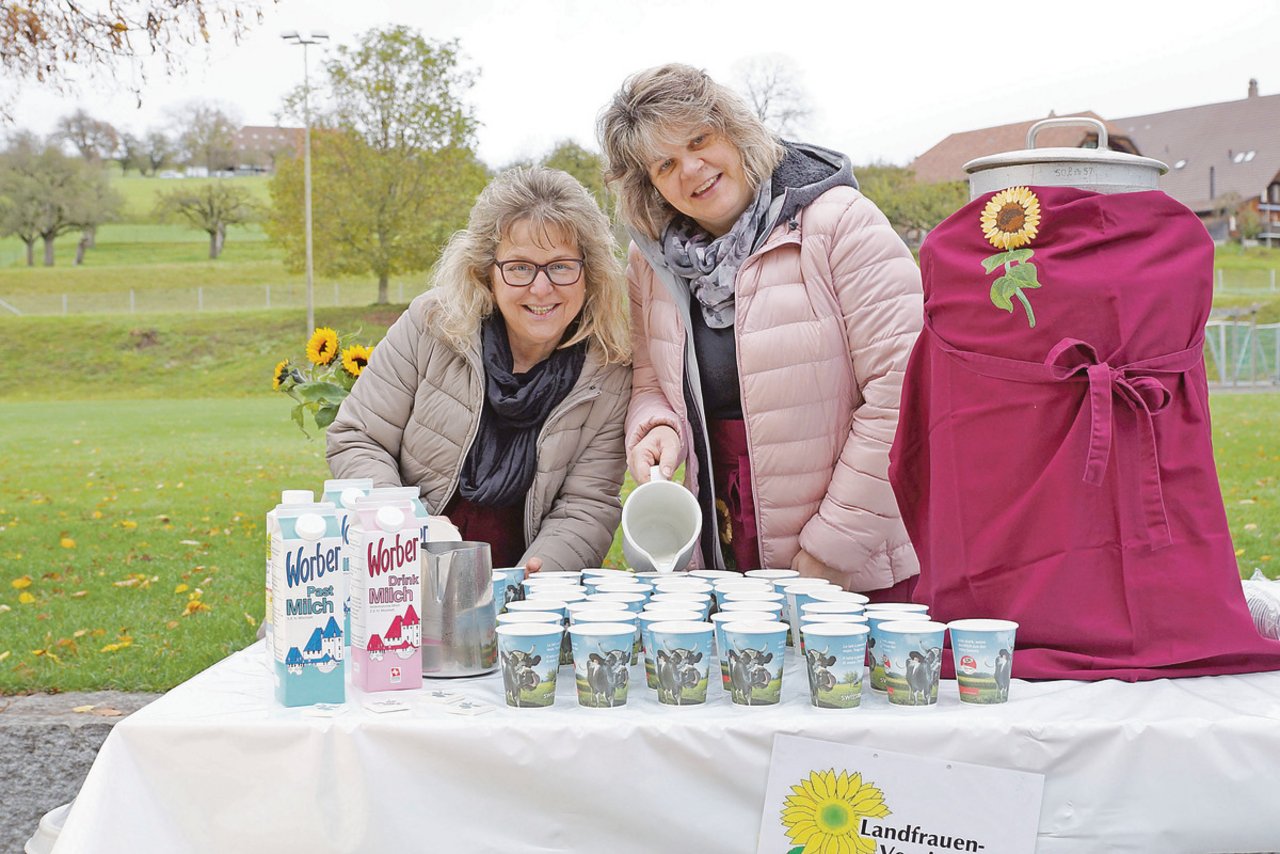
x=735, y=502
x=501, y=527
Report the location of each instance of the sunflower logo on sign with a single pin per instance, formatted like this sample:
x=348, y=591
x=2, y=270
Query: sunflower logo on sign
x=1011, y=220
x=823, y=813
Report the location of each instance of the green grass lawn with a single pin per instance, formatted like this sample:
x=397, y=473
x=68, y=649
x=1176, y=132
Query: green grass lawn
x=140, y=460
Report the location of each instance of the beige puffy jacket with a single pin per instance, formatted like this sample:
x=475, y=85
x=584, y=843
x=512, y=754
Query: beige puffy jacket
x=412, y=416
x=827, y=310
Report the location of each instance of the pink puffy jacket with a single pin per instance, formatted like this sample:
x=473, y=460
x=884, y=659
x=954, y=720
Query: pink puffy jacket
x=827, y=311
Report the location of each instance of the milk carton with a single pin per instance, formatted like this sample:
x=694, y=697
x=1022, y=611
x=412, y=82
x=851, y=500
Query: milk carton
x=343, y=495
x=306, y=581
x=386, y=595
x=290, y=498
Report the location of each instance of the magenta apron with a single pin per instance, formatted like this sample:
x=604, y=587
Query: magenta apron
x=1053, y=461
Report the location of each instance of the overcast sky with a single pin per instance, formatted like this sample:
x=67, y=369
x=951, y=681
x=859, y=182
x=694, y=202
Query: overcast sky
x=886, y=80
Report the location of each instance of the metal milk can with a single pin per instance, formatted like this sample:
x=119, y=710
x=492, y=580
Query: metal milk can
x=1098, y=169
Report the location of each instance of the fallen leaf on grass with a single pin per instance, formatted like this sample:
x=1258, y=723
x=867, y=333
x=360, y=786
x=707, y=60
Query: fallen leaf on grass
x=21, y=583
x=172, y=624
x=194, y=606
x=189, y=542
x=79, y=594
x=4, y=655
x=26, y=598
x=249, y=618
x=181, y=588
x=1239, y=552
x=4, y=608
x=67, y=543
x=97, y=514
x=128, y=524
x=79, y=633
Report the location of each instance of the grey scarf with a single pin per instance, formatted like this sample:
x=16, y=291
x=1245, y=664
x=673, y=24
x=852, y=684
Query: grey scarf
x=710, y=264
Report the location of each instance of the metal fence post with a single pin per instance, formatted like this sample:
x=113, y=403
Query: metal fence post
x=336, y=297
x=200, y=299
x=64, y=303
x=132, y=304
x=1219, y=271
x=1273, y=278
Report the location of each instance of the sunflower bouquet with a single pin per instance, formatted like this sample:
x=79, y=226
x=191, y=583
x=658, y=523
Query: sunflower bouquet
x=321, y=383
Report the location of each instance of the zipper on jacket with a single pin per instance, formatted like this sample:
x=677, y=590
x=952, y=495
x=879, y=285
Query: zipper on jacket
x=589, y=393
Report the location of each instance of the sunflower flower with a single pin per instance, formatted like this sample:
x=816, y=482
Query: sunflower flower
x=323, y=346
x=354, y=358
x=1011, y=218
x=823, y=813
x=281, y=375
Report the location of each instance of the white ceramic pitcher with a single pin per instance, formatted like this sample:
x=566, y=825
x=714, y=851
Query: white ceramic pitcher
x=661, y=522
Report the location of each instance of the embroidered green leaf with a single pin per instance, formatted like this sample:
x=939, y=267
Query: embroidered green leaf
x=1002, y=292
x=1025, y=275
x=990, y=263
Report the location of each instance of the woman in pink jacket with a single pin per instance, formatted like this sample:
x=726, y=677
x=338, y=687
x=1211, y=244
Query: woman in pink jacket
x=773, y=309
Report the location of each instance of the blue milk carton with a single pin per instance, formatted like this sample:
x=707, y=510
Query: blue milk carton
x=290, y=501
x=306, y=581
x=342, y=493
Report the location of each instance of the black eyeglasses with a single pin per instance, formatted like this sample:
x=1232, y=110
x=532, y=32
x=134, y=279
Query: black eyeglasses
x=520, y=274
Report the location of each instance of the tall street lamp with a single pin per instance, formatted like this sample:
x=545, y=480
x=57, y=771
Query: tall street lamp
x=306, y=40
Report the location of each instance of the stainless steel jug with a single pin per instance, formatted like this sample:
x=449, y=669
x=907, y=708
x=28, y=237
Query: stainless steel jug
x=459, y=620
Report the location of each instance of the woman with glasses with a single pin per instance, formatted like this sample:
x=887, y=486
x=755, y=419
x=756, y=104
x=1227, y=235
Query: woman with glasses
x=502, y=391
x=773, y=308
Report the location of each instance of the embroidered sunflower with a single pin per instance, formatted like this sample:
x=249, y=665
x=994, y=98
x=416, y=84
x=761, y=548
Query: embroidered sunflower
x=1011, y=218
x=281, y=375
x=354, y=358
x=323, y=346
x=825, y=810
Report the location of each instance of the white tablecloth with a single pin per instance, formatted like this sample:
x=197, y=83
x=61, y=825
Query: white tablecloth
x=1187, y=765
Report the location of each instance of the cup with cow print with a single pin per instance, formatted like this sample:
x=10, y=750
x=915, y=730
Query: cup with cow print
x=835, y=656
x=912, y=655
x=754, y=653
x=875, y=659
x=529, y=657
x=657, y=613
x=602, y=662
x=681, y=658
x=983, y=654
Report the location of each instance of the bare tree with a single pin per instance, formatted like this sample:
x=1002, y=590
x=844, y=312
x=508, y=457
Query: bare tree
x=43, y=40
x=49, y=194
x=96, y=140
x=211, y=208
x=772, y=86
x=158, y=150
x=206, y=135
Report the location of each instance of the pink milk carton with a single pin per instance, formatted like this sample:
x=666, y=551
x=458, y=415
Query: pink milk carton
x=386, y=596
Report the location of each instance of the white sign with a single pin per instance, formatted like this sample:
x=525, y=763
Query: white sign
x=823, y=796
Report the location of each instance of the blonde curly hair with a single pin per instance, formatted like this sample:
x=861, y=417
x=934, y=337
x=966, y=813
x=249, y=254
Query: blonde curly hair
x=550, y=201
x=662, y=104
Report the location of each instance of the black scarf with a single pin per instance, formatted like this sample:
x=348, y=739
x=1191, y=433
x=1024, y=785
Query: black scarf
x=500, y=466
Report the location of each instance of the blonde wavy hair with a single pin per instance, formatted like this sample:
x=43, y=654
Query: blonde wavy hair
x=550, y=201
x=662, y=105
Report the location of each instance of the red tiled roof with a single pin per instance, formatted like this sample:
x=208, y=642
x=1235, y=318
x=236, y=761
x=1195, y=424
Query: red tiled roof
x=1239, y=140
